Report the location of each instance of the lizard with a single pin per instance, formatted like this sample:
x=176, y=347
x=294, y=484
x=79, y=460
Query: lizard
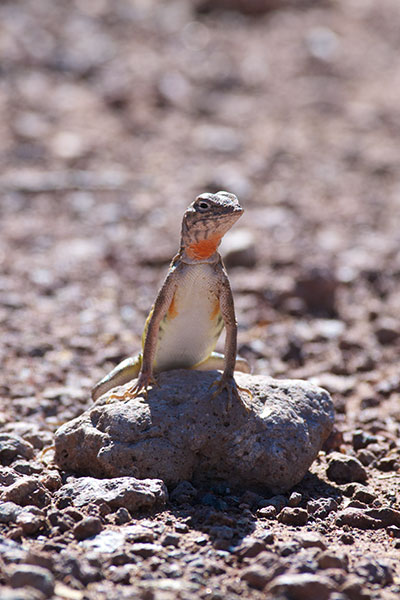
x=193, y=305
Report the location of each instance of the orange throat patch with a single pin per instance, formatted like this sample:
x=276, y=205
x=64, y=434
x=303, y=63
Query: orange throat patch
x=204, y=248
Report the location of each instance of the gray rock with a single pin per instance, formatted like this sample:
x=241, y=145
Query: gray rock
x=129, y=492
x=122, y=516
x=182, y=433
x=365, y=456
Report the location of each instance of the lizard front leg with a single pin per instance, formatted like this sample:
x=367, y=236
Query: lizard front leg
x=157, y=313
x=227, y=381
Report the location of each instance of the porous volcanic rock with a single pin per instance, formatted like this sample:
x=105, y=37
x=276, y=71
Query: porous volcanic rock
x=182, y=433
x=127, y=492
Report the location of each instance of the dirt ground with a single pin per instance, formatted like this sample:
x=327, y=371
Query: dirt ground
x=114, y=115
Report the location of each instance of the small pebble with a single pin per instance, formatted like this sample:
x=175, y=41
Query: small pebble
x=120, y=574
x=293, y=516
x=333, y=560
x=30, y=520
x=12, y=446
x=170, y=539
x=354, y=589
x=250, y=547
x=9, y=512
x=387, y=331
x=266, y=536
x=345, y=469
x=365, y=456
x=347, y=538
x=268, y=512
x=388, y=463
x=32, y=576
x=321, y=507
x=377, y=572
x=393, y=531
x=27, y=491
x=364, y=495
x=201, y=540
x=239, y=249
x=295, y=499
x=88, y=527
x=145, y=549
x=288, y=548
x=361, y=439
x=256, y=576
x=278, y=502
x=312, y=540
x=122, y=516
x=183, y=493
x=302, y=586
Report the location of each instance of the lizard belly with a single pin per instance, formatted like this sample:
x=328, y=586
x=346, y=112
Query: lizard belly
x=190, y=329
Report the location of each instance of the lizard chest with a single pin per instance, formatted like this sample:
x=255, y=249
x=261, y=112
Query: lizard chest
x=190, y=329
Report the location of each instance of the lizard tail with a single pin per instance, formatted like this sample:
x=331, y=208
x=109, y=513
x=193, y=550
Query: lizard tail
x=125, y=371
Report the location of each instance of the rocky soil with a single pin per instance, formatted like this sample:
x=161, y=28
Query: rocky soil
x=114, y=115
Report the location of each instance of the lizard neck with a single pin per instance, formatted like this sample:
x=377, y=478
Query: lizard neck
x=187, y=259
x=199, y=245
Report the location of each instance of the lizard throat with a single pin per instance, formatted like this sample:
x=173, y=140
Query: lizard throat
x=204, y=248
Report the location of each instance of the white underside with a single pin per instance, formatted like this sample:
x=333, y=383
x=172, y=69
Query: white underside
x=190, y=336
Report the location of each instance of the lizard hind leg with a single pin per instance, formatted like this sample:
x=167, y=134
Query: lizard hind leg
x=124, y=372
x=216, y=362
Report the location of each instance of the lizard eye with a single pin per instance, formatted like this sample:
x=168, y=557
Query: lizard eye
x=203, y=205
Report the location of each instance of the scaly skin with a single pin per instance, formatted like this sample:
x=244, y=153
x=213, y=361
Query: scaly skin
x=191, y=308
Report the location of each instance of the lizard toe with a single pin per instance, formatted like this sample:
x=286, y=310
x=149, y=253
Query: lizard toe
x=229, y=385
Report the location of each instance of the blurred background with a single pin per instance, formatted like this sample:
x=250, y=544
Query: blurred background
x=115, y=114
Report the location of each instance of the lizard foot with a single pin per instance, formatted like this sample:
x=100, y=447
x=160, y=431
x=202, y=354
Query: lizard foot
x=228, y=384
x=140, y=387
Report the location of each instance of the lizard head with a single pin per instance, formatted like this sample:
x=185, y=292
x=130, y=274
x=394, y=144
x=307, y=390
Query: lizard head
x=206, y=221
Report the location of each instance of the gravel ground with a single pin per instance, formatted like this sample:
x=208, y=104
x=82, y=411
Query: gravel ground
x=114, y=116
